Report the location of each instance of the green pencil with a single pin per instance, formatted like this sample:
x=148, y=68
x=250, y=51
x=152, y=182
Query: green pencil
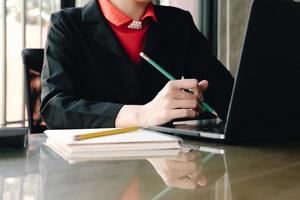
x=170, y=77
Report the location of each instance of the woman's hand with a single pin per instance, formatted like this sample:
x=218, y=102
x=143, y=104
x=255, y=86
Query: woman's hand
x=178, y=99
x=174, y=102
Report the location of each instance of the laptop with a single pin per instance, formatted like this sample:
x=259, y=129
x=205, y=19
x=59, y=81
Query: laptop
x=264, y=103
x=13, y=137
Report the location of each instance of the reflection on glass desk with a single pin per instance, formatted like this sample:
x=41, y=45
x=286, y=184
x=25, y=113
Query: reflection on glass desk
x=215, y=172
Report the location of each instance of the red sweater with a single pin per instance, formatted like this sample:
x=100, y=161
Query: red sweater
x=131, y=39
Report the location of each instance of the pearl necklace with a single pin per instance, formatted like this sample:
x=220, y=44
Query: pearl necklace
x=135, y=25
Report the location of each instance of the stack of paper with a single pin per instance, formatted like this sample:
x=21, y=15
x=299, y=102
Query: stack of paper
x=131, y=145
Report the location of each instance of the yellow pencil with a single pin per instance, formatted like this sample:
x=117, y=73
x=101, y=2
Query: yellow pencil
x=104, y=133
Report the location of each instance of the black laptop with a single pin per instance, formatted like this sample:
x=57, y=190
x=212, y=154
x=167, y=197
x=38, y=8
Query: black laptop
x=264, y=103
x=13, y=137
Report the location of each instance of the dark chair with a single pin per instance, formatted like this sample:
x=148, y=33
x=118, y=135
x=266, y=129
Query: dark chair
x=33, y=62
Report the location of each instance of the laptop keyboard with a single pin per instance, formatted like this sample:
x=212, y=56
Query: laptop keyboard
x=204, y=126
x=217, y=128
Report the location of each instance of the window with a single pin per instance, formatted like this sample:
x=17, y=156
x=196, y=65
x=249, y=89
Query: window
x=80, y=2
x=232, y=19
x=23, y=23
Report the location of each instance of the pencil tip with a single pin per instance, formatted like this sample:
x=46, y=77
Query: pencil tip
x=215, y=113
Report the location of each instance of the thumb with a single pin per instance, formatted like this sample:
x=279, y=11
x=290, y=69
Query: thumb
x=203, y=85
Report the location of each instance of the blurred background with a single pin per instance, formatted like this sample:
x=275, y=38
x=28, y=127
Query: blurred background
x=24, y=24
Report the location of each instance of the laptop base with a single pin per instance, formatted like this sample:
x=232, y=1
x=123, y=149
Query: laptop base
x=13, y=137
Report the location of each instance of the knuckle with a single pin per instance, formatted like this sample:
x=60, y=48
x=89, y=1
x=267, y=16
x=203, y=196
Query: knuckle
x=168, y=90
x=195, y=82
x=187, y=112
x=194, y=97
x=170, y=83
x=191, y=113
x=194, y=104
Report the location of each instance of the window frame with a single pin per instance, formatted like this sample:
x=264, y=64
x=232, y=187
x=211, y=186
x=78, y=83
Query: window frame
x=209, y=22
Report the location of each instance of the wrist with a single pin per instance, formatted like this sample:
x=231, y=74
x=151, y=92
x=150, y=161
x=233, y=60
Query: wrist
x=129, y=115
x=142, y=116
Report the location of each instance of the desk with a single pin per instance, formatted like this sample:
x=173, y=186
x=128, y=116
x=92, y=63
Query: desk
x=252, y=172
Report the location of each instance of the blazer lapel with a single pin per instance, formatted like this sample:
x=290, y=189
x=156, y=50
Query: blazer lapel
x=156, y=34
x=99, y=31
x=100, y=35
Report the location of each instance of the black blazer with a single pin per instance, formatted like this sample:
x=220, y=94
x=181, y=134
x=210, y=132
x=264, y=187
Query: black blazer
x=87, y=76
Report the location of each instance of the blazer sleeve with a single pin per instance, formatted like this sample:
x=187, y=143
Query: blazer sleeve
x=61, y=104
x=204, y=66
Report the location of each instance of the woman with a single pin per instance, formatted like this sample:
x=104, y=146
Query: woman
x=93, y=75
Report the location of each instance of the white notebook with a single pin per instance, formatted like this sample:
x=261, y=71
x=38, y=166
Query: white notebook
x=136, y=144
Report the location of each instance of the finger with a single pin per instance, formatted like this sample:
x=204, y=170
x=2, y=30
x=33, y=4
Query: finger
x=196, y=92
x=184, y=83
x=182, y=155
x=184, y=183
x=190, y=156
x=191, y=90
x=183, y=113
x=187, y=104
x=195, y=174
x=203, y=85
x=198, y=177
x=202, y=180
x=179, y=173
x=181, y=94
x=181, y=165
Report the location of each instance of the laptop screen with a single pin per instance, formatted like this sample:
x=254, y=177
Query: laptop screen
x=265, y=101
